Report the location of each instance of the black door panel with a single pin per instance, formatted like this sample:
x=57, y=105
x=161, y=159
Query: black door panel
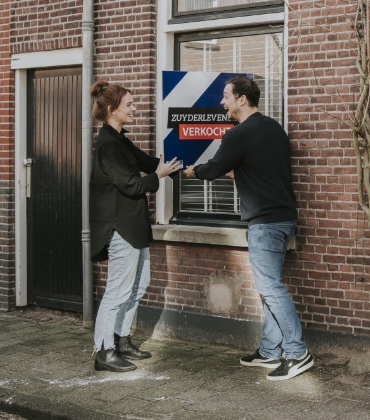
x=54, y=208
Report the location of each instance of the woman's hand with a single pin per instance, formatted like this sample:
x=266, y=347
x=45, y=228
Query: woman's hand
x=230, y=174
x=165, y=169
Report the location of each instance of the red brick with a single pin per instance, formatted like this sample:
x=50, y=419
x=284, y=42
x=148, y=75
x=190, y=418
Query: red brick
x=323, y=168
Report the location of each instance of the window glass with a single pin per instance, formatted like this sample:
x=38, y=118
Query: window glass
x=190, y=5
x=258, y=54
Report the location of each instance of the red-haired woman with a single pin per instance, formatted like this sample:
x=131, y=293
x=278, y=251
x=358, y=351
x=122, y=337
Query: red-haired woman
x=119, y=224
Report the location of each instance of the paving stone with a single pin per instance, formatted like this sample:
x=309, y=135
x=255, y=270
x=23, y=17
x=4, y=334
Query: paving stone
x=195, y=395
x=187, y=413
x=96, y=405
x=169, y=406
x=21, y=326
x=222, y=384
x=359, y=364
x=211, y=374
x=10, y=343
x=360, y=413
x=6, y=416
x=132, y=406
x=235, y=414
x=157, y=393
x=48, y=366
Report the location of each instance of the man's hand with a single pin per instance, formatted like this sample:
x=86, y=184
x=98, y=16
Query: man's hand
x=189, y=171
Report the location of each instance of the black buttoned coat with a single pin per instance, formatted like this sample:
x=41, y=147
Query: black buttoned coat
x=118, y=198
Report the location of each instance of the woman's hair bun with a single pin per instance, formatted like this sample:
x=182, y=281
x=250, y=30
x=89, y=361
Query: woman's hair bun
x=106, y=96
x=98, y=88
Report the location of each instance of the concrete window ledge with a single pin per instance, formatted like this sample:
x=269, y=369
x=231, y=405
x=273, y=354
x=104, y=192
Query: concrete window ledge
x=205, y=235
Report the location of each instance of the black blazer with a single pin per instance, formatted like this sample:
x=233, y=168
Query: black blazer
x=118, y=198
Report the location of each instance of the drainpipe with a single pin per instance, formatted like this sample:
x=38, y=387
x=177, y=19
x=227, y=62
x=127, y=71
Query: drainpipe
x=87, y=136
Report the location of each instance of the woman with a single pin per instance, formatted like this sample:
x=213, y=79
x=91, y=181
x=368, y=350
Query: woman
x=119, y=224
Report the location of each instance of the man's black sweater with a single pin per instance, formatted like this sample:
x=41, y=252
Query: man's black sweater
x=258, y=150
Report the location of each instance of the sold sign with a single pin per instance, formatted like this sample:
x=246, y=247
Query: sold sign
x=203, y=131
x=193, y=119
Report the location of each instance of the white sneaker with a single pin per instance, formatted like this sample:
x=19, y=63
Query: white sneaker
x=291, y=367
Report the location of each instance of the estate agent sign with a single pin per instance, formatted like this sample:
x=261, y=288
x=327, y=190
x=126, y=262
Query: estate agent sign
x=194, y=120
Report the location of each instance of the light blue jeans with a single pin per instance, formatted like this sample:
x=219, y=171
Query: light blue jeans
x=281, y=328
x=128, y=278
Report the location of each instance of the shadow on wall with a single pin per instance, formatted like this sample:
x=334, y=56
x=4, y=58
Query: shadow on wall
x=200, y=294
x=220, y=320
x=236, y=333
x=203, y=329
x=160, y=322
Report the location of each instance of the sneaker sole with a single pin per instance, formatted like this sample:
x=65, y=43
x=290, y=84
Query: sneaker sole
x=295, y=371
x=261, y=364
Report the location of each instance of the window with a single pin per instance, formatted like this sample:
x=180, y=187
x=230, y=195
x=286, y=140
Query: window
x=218, y=9
x=250, y=50
x=191, y=5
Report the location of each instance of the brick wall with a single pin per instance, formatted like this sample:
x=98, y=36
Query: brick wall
x=333, y=238
x=25, y=26
x=45, y=25
x=213, y=280
x=125, y=41
x=7, y=268
x=125, y=53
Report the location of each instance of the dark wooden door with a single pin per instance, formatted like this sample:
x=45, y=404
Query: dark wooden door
x=54, y=256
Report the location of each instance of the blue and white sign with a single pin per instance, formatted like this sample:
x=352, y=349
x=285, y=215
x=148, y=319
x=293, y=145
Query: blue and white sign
x=194, y=120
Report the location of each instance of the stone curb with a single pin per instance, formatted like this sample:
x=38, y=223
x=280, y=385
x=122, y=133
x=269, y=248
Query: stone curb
x=36, y=408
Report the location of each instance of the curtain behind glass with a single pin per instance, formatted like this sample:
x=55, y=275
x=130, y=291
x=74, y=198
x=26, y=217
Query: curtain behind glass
x=189, y=5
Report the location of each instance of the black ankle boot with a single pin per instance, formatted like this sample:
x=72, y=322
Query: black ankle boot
x=111, y=360
x=128, y=350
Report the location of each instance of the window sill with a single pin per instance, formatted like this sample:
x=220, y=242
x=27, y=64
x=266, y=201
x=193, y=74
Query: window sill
x=205, y=235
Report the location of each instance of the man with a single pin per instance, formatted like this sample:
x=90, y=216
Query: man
x=256, y=152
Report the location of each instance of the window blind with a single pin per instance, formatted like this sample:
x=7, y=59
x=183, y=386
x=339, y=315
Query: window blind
x=259, y=54
x=189, y=5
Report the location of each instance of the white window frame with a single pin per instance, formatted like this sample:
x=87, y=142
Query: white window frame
x=165, y=61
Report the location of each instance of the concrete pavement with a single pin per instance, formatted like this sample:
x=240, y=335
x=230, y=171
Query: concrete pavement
x=46, y=372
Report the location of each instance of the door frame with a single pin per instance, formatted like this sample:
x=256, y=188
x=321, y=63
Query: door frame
x=20, y=63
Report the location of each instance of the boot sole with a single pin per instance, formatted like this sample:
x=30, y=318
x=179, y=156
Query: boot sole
x=100, y=367
x=135, y=357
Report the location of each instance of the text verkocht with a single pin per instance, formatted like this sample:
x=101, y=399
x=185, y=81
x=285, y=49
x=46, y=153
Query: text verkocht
x=203, y=131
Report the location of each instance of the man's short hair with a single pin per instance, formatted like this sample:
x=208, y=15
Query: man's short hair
x=243, y=85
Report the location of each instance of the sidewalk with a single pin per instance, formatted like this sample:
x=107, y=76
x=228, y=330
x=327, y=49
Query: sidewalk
x=46, y=372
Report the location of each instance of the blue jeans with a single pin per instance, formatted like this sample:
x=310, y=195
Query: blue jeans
x=281, y=328
x=128, y=278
